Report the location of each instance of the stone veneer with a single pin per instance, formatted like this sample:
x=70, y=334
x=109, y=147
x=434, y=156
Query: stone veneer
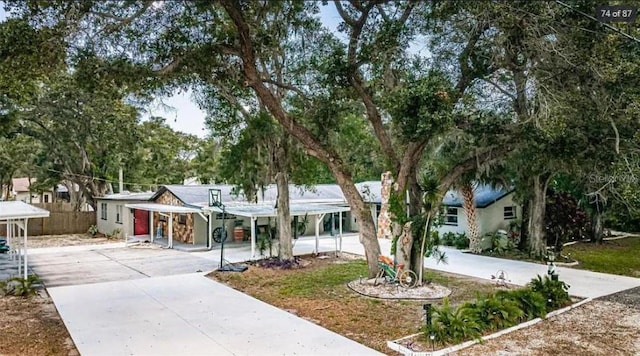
x=181, y=232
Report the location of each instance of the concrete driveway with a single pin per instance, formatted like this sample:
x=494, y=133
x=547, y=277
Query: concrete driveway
x=63, y=266
x=151, y=301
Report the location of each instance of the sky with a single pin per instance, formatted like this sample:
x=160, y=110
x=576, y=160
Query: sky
x=181, y=112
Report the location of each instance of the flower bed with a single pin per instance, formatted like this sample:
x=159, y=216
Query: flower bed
x=449, y=329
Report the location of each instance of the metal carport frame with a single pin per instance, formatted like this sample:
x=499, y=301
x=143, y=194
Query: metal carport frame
x=17, y=213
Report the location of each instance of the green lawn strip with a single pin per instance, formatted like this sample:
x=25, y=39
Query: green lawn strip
x=620, y=257
x=307, y=283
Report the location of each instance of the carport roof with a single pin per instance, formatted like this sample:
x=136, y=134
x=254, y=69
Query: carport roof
x=164, y=208
x=11, y=210
x=267, y=210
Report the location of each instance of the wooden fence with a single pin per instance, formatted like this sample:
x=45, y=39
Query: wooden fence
x=62, y=220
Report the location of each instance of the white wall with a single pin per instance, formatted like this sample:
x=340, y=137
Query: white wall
x=492, y=218
x=107, y=226
x=458, y=229
x=36, y=198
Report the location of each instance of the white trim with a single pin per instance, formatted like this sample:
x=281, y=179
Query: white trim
x=164, y=208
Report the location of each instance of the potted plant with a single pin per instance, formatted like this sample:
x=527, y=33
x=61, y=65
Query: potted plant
x=238, y=231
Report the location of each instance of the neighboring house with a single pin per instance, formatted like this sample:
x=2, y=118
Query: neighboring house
x=495, y=208
x=22, y=192
x=112, y=216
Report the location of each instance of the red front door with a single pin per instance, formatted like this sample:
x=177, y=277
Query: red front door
x=140, y=222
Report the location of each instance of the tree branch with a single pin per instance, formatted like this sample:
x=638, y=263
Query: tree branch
x=123, y=21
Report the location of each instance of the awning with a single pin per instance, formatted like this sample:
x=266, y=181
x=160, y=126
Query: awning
x=17, y=214
x=10, y=210
x=164, y=208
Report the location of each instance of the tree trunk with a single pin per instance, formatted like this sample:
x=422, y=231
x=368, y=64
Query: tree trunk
x=523, y=245
x=597, y=229
x=469, y=207
x=285, y=247
x=537, y=242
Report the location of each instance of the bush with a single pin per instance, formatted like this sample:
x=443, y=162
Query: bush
x=565, y=220
x=532, y=304
x=555, y=292
x=494, y=312
x=500, y=243
x=21, y=287
x=457, y=240
x=93, y=230
x=452, y=325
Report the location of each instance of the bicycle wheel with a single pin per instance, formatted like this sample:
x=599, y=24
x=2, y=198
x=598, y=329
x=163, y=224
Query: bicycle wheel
x=379, y=276
x=408, y=279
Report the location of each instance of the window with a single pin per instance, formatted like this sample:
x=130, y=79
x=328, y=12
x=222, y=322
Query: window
x=46, y=198
x=119, y=214
x=510, y=212
x=182, y=219
x=451, y=217
x=103, y=211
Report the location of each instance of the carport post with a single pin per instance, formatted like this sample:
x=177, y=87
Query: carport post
x=152, y=231
x=253, y=236
x=340, y=223
x=26, y=224
x=210, y=230
x=170, y=230
x=318, y=218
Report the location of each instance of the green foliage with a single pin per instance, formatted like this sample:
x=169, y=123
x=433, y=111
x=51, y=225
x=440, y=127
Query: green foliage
x=565, y=220
x=21, y=287
x=114, y=234
x=93, y=230
x=451, y=324
x=458, y=240
x=494, y=312
x=308, y=283
x=500, y=243
x=531, y=303
x=620, y=257
x=555, y=292
x=264, y=242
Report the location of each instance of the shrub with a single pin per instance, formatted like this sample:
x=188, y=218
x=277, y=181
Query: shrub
x=555, y=292
x=21, y=287
x=114, y=234
x=493, y=312
x=533, y=304
x=457, y=240
x=452, y=324
x=565, y=220
x=93, y=230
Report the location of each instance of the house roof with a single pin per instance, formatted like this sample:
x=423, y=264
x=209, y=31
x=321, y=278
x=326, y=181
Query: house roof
x=146, y=196
x=484, y=195
x=21, y=184
x=198, y=195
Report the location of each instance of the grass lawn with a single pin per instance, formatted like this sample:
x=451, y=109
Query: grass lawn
x=615, y=256
x=318, y=293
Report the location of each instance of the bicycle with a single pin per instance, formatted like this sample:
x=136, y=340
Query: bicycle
x=393, y=273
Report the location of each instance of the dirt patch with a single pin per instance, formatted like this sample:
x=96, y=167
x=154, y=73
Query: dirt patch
x=385, y=290
x=596, y=328
x=67, y=240
x=32, y=326
x=319, y=293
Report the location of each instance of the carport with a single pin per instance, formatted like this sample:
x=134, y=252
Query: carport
x=168, y=211
x=15, y=215
x=255, y=211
